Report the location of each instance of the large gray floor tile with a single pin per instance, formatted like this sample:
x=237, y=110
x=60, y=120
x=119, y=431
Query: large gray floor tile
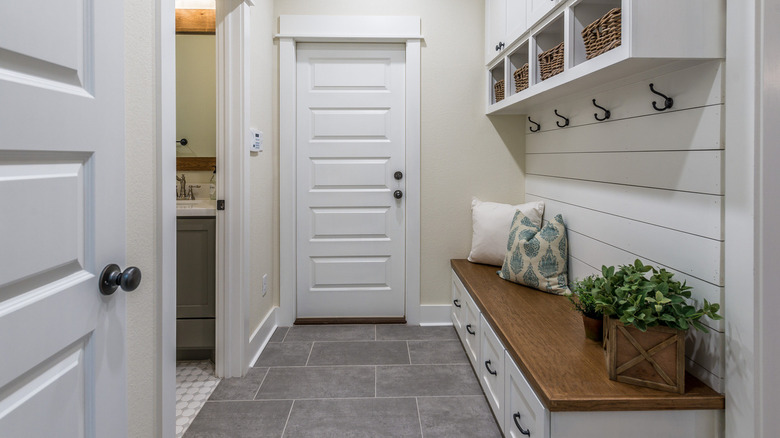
x=279, y=334
x=437, y=352
x=454, y=417
x=356, y=332
x=359, y=353
x=240, y=419
x=399, y=332
x=425, y=380
x=381, y=418
x=318, y=382
x=284, y=354
x=240, y=388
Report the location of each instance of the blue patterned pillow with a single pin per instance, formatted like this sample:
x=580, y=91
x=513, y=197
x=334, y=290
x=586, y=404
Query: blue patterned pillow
x=537, y=258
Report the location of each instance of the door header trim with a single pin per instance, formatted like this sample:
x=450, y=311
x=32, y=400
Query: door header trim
x=338, y=28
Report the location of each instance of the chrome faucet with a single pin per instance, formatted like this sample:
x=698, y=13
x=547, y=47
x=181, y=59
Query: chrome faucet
x=182, y=193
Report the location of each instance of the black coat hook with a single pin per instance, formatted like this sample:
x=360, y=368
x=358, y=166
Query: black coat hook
x=668, y=101
x=607, y=114
x=538, y=126
x=565, y=123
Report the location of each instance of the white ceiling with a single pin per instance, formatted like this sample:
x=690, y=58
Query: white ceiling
x=196, y=4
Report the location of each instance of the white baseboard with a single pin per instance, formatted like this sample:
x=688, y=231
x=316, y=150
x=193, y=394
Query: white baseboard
x=260, y=337
x=435, y=314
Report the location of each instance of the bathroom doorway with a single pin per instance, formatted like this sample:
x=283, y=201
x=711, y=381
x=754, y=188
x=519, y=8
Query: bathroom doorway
x=231, y=184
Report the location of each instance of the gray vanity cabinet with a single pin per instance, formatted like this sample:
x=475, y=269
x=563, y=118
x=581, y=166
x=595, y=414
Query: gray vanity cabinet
x=195, y=282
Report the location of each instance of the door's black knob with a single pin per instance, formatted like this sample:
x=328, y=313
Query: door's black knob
x=112, y=277
x=398, y=194
x=398, y=175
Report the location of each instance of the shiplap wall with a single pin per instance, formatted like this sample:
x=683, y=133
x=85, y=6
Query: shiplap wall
x=644, y=184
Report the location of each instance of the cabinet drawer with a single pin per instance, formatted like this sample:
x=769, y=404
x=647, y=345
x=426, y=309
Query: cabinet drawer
x=523, y=411
x=458, y=292
x=471, y=329
x=491, y=368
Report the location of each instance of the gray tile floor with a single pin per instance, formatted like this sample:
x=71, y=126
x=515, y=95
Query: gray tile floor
x=352, y=381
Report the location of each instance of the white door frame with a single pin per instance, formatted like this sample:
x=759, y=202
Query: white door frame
x=318, y=28
x=232, y=186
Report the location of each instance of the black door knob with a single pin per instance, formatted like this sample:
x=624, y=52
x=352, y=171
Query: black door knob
x=398, y=194
x=398, y=175
x=112, y=277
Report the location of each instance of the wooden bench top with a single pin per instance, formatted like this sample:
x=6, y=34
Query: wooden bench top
x=545, y=337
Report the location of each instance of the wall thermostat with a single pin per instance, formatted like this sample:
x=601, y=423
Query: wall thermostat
x=257, y=141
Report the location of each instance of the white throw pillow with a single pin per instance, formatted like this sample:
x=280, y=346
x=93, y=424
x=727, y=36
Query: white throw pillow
x=491, y=228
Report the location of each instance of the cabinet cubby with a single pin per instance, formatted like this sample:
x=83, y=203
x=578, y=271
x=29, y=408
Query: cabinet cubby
x=496, y=75
x=517, y=59
x=585, y=13
x=547, y=38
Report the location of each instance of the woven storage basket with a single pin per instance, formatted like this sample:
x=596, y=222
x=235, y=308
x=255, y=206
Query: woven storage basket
x=551, y=62
x=499, y=88
x=521, y=78
x=603, y=34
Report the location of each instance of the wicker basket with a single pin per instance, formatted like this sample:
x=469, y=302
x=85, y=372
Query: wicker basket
x=499, y=89
x=603, y=34
x=551, y=62
x=521, y=78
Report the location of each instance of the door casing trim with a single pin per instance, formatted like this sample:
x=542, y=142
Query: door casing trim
x=355, y=29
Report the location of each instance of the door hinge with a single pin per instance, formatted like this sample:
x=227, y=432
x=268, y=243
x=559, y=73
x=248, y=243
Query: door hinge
x=220, y=204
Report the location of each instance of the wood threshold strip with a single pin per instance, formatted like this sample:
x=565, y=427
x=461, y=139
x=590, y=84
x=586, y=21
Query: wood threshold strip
x=545, y=337
x=383, y=320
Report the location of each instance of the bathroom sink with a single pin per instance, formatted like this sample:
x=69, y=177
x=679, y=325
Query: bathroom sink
x=196, y=207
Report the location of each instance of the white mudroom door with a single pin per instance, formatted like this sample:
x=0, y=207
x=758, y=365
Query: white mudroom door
x=350, y=180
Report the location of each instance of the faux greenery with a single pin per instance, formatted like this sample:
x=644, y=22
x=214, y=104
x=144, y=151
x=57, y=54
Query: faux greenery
x=643, y=296
x=583, y=298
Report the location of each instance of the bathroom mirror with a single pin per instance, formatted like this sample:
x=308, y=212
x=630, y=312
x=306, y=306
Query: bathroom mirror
x=195, y=90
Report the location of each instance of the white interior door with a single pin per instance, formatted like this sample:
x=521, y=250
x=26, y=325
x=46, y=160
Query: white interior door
x=350, y=144
x=62, y=213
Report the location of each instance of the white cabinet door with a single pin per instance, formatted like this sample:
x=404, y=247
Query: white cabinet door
x=495, y=27
x=538, y=9
x=491, y=368
x=458, y=291
x=516, y=19
x=524, y=413
x=471, y=329
x=62, y=219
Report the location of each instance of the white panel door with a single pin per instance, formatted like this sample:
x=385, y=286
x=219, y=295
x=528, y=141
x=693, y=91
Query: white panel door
x=62, y=212
x=350, y=130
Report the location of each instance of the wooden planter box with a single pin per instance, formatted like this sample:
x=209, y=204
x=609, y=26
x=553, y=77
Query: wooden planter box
x=654, y=359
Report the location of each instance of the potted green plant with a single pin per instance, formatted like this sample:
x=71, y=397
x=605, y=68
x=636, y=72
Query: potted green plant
x=584, y=301
x=646, y=314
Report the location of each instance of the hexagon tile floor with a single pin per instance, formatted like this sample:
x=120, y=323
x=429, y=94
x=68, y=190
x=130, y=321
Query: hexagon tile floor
x=195, y=381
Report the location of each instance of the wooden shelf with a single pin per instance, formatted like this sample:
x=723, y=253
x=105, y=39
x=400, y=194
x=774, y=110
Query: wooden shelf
x=546, y=339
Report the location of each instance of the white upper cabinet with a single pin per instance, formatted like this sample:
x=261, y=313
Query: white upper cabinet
x=537, y=9
x=648, y=35
x=505, y=20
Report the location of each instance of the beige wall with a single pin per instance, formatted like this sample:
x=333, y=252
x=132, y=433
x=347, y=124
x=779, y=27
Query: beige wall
x=141, y=155
x=264, y=166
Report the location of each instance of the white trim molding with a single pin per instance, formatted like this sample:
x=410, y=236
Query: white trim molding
x=232, y=321
x=166, y=215
x=356, y=29
x=259, y=339
x=435, y=314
